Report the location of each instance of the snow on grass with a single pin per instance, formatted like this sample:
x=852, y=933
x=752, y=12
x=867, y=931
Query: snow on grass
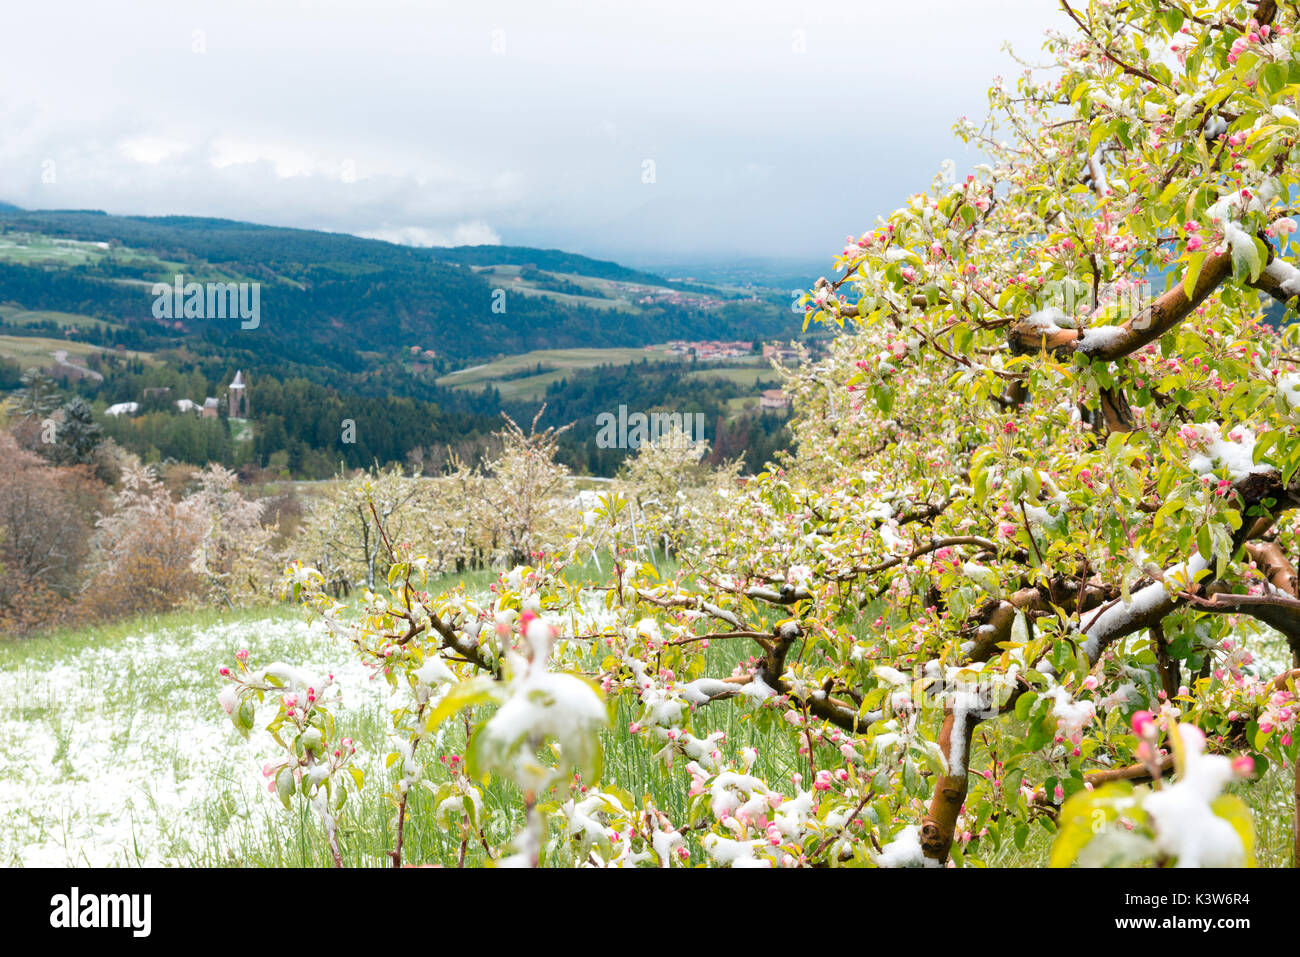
x=116, y=749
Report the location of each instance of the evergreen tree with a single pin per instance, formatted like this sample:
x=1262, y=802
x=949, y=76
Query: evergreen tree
x=79, y=435
x=39, y=395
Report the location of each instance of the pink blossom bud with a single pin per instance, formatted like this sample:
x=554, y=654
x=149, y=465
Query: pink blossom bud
x=1143, y=724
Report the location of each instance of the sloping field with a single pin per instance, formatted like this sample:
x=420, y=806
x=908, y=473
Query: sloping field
x=505, y=373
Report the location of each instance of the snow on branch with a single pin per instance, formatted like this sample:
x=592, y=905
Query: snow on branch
x=1108, y=343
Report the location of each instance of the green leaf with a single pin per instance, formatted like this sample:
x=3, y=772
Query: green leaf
x=464, y=695
x=1247, y=259
x=285, y=785
x=245, y=715
x=1261, y=739
x=1099, y=132
x=962, y=337
x=1203, y=543
x=1234, y=810
x=1083, y=816
x=1170, y=191
x=885, y=398
x=1273, y=77
x=1193, y=273
x=1260, y=259
x=1024, y=703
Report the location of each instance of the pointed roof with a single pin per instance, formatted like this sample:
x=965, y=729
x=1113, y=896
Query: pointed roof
x=238, y=381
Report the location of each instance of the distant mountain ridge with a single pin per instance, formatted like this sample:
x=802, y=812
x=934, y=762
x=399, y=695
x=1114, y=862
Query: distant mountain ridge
x=214, y=237
x=552, y=260
x=347, y=302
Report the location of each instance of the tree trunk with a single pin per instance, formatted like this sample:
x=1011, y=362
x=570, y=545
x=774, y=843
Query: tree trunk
x=939, y=825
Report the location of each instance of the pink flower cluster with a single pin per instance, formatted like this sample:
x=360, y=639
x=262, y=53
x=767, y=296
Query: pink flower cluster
x=1255, y=35
x=1280, y=716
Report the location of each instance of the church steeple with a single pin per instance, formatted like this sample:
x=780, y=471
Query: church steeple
x=237, y=397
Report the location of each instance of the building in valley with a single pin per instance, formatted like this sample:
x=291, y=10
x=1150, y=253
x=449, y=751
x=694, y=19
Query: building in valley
x=237, y=397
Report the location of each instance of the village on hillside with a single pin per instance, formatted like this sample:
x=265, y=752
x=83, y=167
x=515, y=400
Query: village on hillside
x=235, y=402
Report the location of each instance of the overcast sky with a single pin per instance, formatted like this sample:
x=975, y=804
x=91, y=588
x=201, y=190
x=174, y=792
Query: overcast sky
x=775, y=127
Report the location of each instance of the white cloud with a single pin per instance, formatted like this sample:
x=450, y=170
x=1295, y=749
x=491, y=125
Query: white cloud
x=462, y=234
x=287, y=161
x=152, y=148
x=344, y=114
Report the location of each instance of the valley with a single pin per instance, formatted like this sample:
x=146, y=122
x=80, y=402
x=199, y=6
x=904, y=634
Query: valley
x=375, y=333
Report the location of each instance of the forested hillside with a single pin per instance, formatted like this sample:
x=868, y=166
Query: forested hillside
x=335, y=300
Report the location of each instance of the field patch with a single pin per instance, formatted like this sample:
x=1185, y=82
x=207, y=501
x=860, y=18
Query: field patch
x=38, y=352
x=511, y=373
x=18, y=316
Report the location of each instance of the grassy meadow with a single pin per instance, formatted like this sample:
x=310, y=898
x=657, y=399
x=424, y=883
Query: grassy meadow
x=509, y=374
x=29, y=317
x=118, y=754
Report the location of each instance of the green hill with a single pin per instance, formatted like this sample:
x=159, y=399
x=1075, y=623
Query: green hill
x=339, y=301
